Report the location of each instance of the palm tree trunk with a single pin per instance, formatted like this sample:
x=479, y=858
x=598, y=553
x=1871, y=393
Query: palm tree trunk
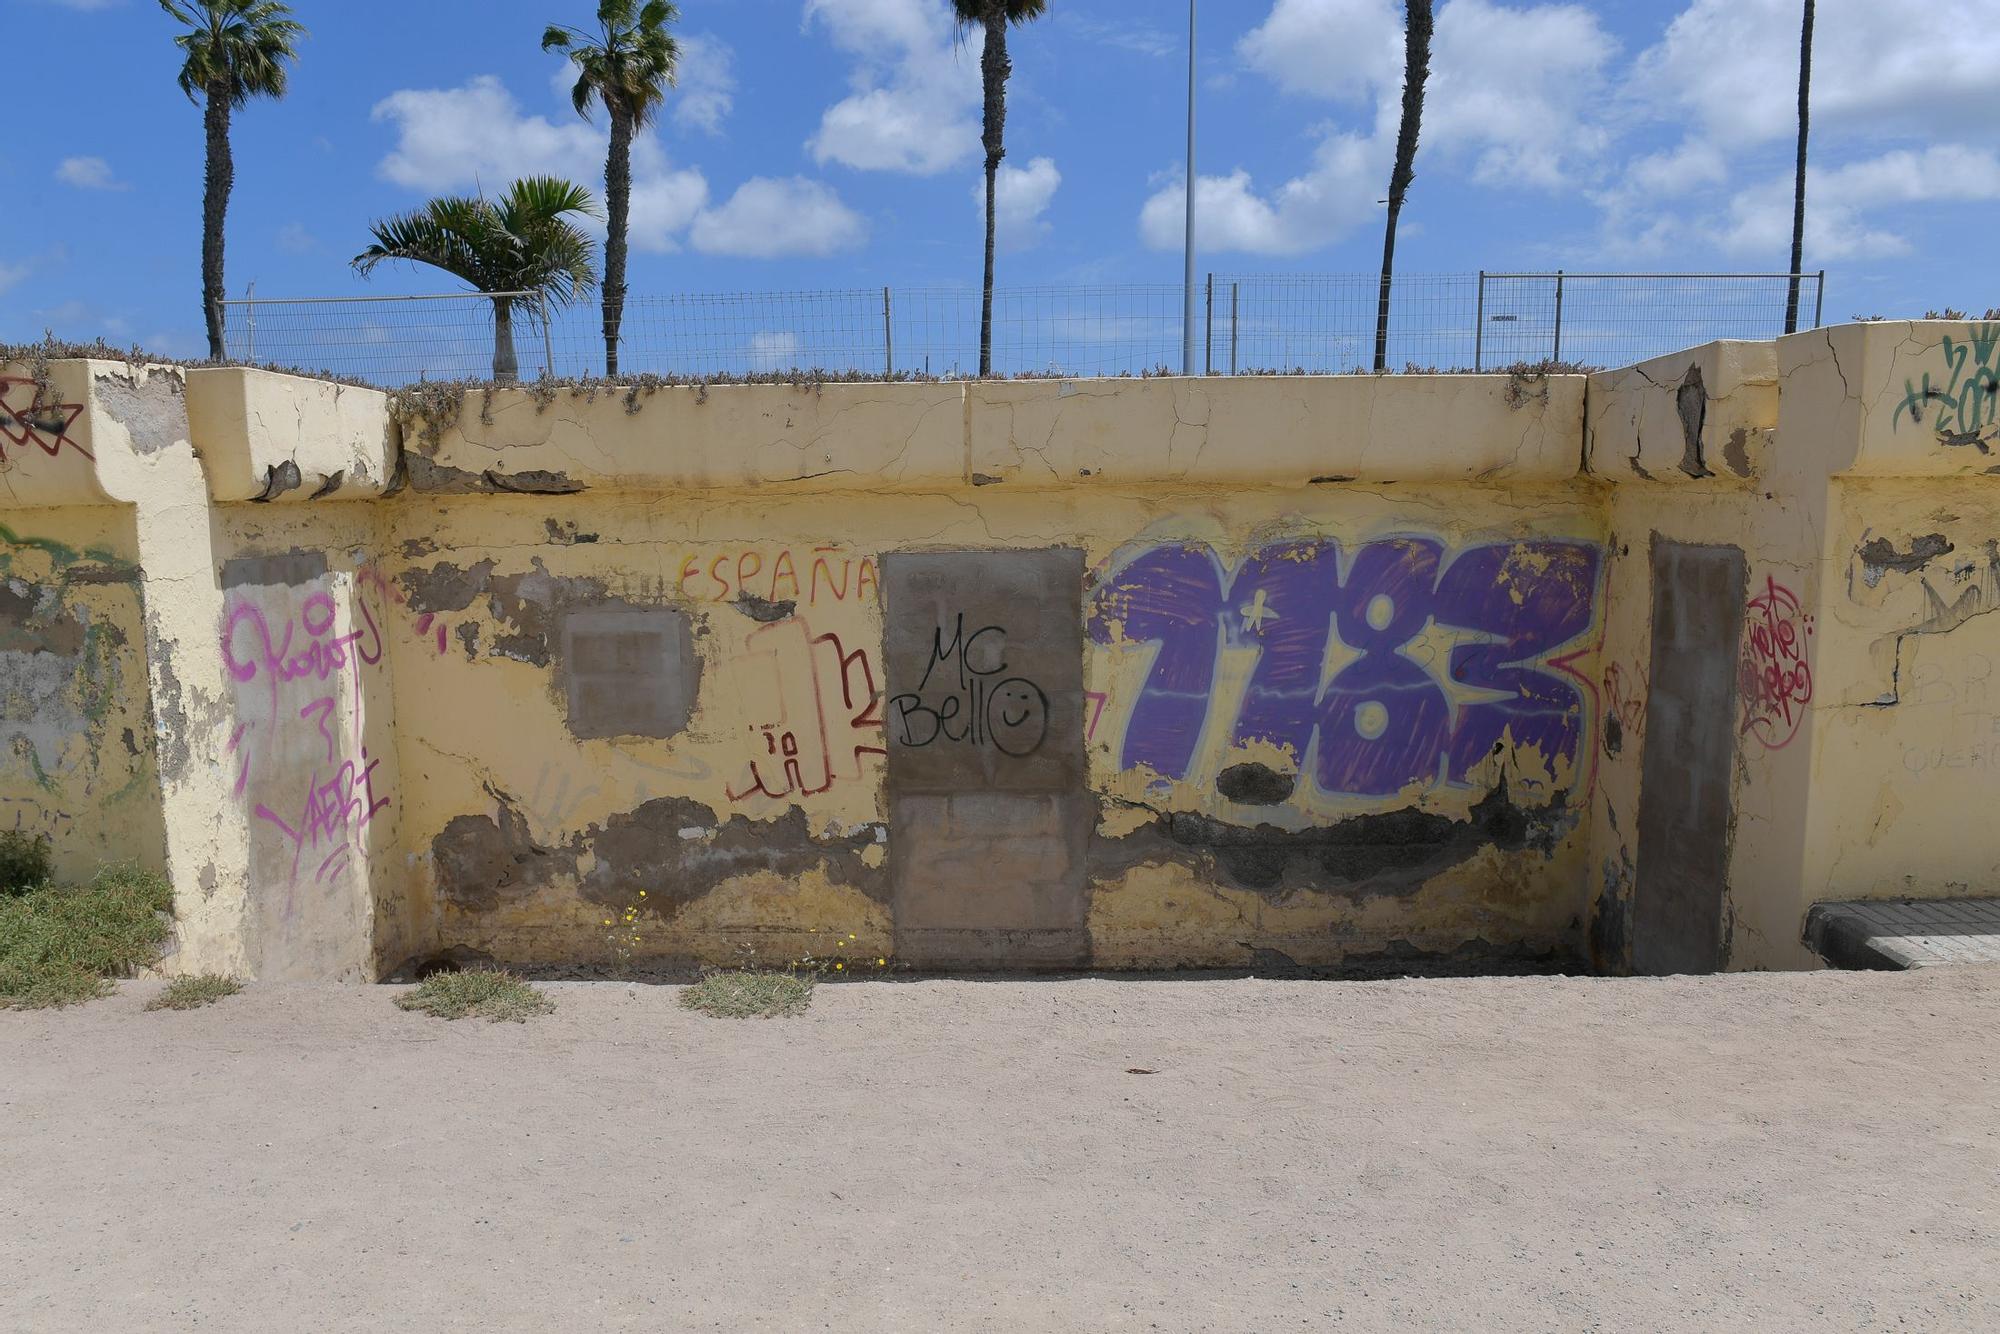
x=618, y=195
x=994, y=67
x=220, y=177
x=506, y=367
x=1799, y=184
x=1416, y=72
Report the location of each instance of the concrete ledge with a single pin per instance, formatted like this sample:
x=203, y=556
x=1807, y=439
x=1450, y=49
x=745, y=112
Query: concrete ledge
x=284, y=438
x=1700, y=415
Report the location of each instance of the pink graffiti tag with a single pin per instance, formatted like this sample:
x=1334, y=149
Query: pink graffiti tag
x=26, y=419
x=320, y=657
x=1774, y=677
x=335, y=813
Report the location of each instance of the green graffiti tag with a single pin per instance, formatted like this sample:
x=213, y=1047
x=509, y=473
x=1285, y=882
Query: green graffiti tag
x=1967, y=400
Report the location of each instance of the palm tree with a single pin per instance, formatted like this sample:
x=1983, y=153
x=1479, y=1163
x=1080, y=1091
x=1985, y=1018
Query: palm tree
x=1416, y=72
x=235, y=50
x=994, y=67
x=628, y=68
x=523, y=242
x=1799, y=184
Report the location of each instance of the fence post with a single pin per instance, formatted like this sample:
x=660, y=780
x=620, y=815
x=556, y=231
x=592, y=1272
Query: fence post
x=888, y=337
x=1208, y=331
x=1557, y=355
x=1819, y=299
x=1235, y=293
x=548, y=336
x=1479, y=324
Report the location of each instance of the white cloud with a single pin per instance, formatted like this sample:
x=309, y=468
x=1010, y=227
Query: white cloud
x=1125, y=34
x=1877, y=68
x=477, y=137
x=706, y=92
x=774, y=351
x=294, y=239
x=11, y=276
x=914, y=87
x=1306, y=213
x=86, y=6
x=1516, y=87
x=89, y=173
x=1021, y=196
x=1342, y=49
x=1839, y=200
x=767, y=218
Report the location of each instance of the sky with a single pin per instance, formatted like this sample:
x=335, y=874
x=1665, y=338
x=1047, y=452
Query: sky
x=816, y=144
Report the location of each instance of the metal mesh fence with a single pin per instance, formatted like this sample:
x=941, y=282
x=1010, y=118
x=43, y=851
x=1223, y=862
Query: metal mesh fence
x=1320, y=323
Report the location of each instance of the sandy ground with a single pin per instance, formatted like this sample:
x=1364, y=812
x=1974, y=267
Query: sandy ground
x=1773, y=1152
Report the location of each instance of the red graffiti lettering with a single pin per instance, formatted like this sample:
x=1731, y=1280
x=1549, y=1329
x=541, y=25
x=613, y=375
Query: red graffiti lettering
x=818, y=712
x=1774, y=678
x=27, y=418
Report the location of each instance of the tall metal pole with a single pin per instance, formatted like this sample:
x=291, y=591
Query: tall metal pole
x=1187, y=317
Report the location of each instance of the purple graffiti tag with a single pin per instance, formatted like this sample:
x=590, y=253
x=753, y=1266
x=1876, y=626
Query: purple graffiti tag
x=1282, y=603
x=1171, y=596
x=1385, y=720
x=334, y=812
x=1534, y=597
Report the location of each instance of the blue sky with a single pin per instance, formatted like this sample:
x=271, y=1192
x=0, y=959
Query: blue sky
x=833, y=143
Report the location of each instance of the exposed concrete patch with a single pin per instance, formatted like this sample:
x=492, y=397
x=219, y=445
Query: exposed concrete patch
x=758, y=609
x=1256, y=785
x=482, y=862
x=432, y=478
x=674, y=849
x=628, y=671
x=278, y=479
x=566, y=534
x=154, y=414
x=31, y=622
x=1611, y=916
x=1879, y=556
x=290, y=568
x=1736, y=452
x=1387, y=854
x=1691, y=402
x=445, y=587
x=1614, y=736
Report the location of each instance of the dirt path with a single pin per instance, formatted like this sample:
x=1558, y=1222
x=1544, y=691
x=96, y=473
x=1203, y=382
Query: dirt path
x=1780, y=1152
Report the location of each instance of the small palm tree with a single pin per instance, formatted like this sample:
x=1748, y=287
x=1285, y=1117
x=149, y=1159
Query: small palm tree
x=1416, y=73
x=234, y=50
x=628, y=67
x=1799, y=182
x=995, y=68
x=525, y=241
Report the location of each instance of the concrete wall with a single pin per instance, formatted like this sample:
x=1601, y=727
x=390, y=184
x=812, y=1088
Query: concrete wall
x=1121, y=673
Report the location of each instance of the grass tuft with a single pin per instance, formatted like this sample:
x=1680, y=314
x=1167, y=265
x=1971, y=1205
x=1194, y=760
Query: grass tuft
x=60, y=944
x=477, y=993
x=191, y=993
x=24, y=862
x=750, y=994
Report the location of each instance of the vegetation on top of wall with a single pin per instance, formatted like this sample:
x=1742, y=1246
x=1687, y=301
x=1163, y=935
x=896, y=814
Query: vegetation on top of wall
x=24, y=863
x=51, y=348
x=62, y=944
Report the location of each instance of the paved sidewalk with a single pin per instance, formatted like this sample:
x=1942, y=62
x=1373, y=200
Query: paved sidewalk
x=1906, y=933
x=1800, y=1152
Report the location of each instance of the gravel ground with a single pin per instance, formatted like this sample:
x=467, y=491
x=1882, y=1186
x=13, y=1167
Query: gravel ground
x=1780, y=1152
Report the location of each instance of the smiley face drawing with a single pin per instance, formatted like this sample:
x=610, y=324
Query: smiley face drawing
x=1017, y=717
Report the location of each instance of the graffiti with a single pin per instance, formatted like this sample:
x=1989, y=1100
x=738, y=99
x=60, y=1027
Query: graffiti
x=824, y=574
x=981, y=705
x=1624, y=705
x=1440, y=662
x=1775, y=680
x=818, y=712
x=26, y=419
x=334, y=815
x=298, y=661
x=1964, y=406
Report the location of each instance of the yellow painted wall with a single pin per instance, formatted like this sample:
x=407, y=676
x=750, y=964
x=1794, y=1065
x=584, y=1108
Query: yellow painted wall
x=355, y=726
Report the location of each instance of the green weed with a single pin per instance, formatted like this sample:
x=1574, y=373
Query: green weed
x=477, y=993
x=61, y=944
